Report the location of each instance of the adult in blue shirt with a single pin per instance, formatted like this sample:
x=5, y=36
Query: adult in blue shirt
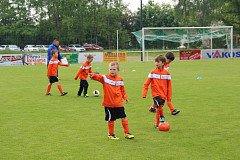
x=55, y=46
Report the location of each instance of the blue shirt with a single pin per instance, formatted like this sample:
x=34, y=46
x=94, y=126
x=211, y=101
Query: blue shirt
x=50, y=48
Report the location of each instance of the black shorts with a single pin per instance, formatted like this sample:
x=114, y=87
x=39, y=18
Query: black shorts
x=111, y=114
x=53, y=79
x=158, y=101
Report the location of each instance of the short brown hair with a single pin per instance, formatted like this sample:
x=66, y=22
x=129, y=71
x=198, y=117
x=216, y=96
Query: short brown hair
x=170, y=56
x=89, y=56
x=53, y=51
x=160, y=58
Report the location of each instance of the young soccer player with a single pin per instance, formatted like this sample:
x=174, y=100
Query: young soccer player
x=161, y=87
x=52, y=73
x=169, y=58
x=114, y=92
x=82, y=74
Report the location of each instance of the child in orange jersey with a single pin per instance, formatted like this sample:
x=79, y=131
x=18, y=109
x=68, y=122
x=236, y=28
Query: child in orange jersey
x=52, y=73
x=169, y=58
x=82, y=74
x=161, y=87
x=114, y=92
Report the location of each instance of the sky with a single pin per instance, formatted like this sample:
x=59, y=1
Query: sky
x=135, y=4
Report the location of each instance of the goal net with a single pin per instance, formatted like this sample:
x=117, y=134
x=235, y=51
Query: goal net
x=153, y=39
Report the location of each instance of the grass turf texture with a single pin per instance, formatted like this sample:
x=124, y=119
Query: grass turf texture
x=34, y=126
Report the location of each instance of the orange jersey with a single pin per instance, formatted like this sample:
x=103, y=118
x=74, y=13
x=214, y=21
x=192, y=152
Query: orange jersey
x=161, y=84
x=166, y=66
x=53, y=66
x=84, y=70
x=113, y=89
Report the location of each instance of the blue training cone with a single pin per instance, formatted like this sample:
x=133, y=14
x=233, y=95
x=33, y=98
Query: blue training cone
x=199, y=78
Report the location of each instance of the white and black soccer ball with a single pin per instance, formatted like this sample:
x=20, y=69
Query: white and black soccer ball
x=96, y=93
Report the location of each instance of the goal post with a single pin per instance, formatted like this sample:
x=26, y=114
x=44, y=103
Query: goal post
x=172, y=38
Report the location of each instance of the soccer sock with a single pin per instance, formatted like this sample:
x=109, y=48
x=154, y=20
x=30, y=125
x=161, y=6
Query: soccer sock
x=110, y=127
x=157, y=117
x=125, y=125
x=60, y=88
x=161, y=112
x=170, y=105
x=48, y=88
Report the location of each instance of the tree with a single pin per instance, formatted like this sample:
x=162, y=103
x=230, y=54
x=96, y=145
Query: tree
x=16, y=22
x=230, y=13
x=156, y=15
x=197, y=12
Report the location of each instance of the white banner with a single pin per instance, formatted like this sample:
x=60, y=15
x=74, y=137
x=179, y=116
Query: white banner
x=10, y=59
x=16, y=59
x=97, y=56
x=220, y=53
x=33, y=59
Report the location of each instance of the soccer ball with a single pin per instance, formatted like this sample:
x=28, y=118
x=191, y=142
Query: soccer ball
x=164, y=126
x=96, y=93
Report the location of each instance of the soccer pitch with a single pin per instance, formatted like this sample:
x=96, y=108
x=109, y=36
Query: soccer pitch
x=35, y=126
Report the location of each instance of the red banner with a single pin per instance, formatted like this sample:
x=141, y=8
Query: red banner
x=190, y=54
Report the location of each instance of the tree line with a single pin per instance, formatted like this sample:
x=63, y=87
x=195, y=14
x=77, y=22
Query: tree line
x=25, y=22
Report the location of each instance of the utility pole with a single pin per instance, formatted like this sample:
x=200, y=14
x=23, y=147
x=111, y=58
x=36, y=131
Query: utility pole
x=141, y=25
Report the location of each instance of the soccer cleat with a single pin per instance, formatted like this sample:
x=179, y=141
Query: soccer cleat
x=48, y=94
x=129, y=136
x=64, y=93
x=113, y=137
x=175, y=112
x=155, y=126
x=162, y=119
x=151, y=109
x=85, y=95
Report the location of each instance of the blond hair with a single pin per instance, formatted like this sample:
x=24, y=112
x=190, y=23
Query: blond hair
x=113, y=64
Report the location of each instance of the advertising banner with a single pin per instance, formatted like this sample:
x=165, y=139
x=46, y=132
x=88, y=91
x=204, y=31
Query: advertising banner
x=71, y=57
x=190, y=54
x=10, y=59
x=97, y=56
x=36, y=59
x=114, y=56
x=220, y=53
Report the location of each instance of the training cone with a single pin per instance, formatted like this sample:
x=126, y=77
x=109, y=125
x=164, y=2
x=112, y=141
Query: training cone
x=164, y=126
x=199, y=78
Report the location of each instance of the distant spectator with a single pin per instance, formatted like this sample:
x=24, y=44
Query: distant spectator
x=23, y=59
x=55, y=46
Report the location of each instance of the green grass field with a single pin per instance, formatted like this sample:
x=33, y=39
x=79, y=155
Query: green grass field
x=34, y=126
